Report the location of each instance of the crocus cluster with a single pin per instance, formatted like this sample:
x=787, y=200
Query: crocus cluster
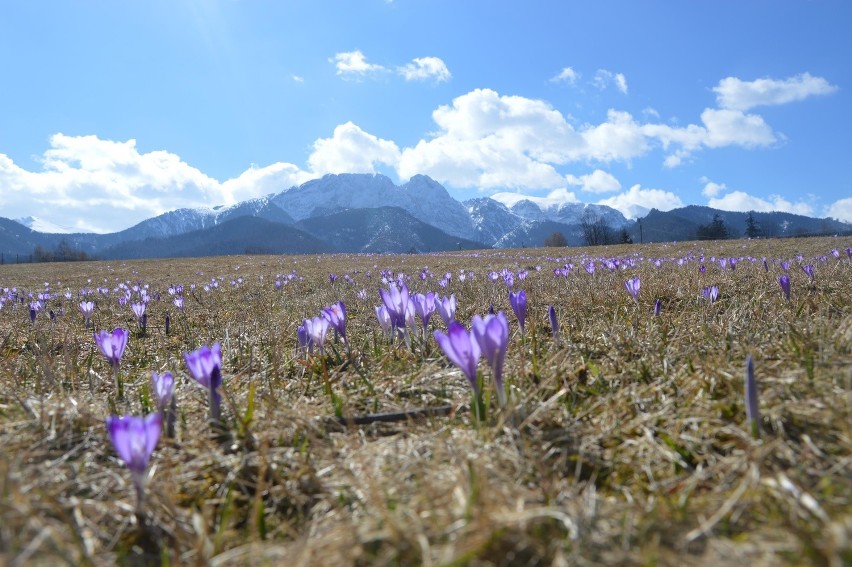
x=488, y=337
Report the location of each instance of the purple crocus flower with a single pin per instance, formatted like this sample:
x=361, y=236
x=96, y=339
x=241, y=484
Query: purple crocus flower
x=446, y=309
x=554, y=323
x=492, y=334
x=87, y=308
x=134, y=439
x=384, y=319
x=809, y=270
x=784, y=282
x=785, y=265
x=658, y=307
x=303, y=341
x=336, y=316
x=163, y=388
x=178, y=302
x=711, y=293
x=317, y=328
x=462, y=350
x=424, y=307
x=632, y=286
x=112, y=345
x=518, y=301
x=138, y=310
x=396, y=302
x=205, y=366
x=765, y=265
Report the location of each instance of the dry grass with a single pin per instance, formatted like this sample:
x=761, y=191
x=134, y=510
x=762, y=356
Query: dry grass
x=625, y=443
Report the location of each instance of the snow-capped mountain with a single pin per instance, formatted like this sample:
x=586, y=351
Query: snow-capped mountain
x=41, y=225
x=181, y=221
x=570, y=213
x=422, y=197
x=491, y=219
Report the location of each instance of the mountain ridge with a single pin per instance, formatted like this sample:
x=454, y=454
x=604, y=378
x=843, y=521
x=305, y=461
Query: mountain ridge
x=373, y=208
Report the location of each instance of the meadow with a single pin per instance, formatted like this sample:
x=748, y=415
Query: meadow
x=625, y=437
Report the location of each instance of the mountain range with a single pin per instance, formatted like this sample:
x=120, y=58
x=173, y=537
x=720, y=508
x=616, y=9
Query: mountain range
x=369, y=213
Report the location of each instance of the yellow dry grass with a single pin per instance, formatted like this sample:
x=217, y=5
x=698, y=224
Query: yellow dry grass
x=624, y=443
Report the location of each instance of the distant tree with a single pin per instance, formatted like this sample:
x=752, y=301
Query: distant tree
x=556, y=239
x=595, y=229
x=752, y=228
x=716, y=230
x=64, y=252
x=625, y=237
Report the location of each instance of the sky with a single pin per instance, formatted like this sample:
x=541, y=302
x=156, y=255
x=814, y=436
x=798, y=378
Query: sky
x=114, y=112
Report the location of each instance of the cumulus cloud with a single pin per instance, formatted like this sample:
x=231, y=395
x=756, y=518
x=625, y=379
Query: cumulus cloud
x=636, y=202
x=598, y=181
x=604, y=79
x=840, y=210
x=354, y=64
x=554, y=198
x=492, y=141
x=720, y=127
x=351, y=150
x=743, y=202
x=736, y=94
x=425, y=68
x=486, y=140
x=298, y=79
x=566, y=75
x=103, y=185
x=711, y=188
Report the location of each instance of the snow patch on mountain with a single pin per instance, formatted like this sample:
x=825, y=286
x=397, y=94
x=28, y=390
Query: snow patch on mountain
x=422, y=197
x=41, y=225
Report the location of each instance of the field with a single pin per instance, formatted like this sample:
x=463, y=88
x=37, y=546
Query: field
x=624, y=440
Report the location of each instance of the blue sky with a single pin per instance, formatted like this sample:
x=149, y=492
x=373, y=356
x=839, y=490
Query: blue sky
x=113, y=112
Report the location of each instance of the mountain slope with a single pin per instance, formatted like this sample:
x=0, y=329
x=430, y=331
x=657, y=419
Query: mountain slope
x=381, y=229
x=241, y=235
x=683, y=223
x=422, y=197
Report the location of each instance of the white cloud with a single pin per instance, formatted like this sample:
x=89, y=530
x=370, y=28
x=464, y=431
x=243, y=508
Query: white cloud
x=742, y=202
x=258, y=181
x=425, y=68
x=711, y=188
x=567, y=75
x=354, y=64
x=491, y=141
x=620, y=138
x=598, y=181
x=104, y=185
x=604, y=78
x=636, y=201
x=651, y=112
x=298, y=79
x=840, y=210
x=736, y=94
x=720, y=127
x=555, y=198
x=351, y=150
